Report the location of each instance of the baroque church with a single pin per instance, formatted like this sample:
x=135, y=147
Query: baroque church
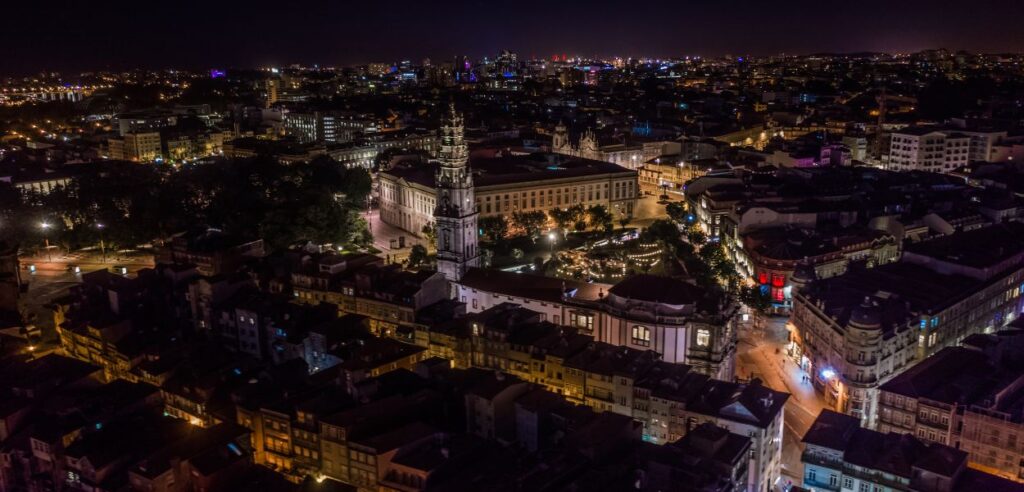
x=628, y=155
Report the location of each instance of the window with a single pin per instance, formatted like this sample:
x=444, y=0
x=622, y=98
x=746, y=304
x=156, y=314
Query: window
x=812, y=475
x=847, y=483
x=583, y=321
x=641, y=335
x=703, y=338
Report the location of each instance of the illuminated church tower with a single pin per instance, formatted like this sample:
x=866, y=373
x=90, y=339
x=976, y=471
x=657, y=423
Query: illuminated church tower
x=456, y=215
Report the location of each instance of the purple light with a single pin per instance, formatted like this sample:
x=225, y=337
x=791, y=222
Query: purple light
x=216, y=74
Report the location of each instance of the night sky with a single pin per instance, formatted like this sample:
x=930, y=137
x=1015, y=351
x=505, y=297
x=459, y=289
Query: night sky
x=79, y=35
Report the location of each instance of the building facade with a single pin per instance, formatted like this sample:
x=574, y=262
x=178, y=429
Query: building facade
x=629, y=156
x=508, y=184
x=857, y=331
x=643, y=312
x=966, y=397
x=929, y=149
x=840, y=455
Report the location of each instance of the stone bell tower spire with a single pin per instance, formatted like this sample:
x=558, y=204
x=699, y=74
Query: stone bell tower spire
x=455, y=216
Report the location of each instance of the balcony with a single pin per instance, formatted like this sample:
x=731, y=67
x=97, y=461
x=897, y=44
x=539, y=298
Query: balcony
x=866, y=362
x=816, y=459
x=879, y=478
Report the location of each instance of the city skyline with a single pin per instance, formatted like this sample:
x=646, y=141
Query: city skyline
x=196, y=35
x=462, y=246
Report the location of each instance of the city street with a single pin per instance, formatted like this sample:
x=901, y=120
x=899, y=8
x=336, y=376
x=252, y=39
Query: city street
x=48, y=278
x=762, y=354
x=647, y=211
x=383, y=234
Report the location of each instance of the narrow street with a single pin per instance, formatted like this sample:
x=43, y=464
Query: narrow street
x=762, y=354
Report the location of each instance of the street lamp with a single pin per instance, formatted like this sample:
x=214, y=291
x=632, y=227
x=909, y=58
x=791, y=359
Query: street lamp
x=551, y=238
x=46, y=239
x=103, y=246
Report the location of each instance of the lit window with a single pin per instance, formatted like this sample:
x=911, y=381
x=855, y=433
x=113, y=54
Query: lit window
x=641, y=335
x=703, y=337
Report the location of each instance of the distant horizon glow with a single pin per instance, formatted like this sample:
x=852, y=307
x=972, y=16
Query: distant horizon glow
x=73, y=37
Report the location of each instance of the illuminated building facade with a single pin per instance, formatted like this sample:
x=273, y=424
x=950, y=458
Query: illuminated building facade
x=508, y=184
x=642, y=312
x=138, y=147
x=857, y=331
x=629, y=156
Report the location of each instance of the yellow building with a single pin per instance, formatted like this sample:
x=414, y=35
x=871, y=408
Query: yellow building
x=138, y=147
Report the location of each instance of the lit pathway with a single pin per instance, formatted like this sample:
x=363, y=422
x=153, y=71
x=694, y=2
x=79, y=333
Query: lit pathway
x=764, y=356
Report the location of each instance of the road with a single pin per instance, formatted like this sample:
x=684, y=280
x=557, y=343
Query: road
x=762, y=354
x=647, y=211
x=383, y=234
x=49, y=278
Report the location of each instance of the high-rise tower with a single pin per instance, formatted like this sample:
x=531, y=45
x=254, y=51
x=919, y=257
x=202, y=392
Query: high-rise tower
x=455, y=216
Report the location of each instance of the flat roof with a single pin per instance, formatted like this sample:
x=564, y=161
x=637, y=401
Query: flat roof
x=497, y=171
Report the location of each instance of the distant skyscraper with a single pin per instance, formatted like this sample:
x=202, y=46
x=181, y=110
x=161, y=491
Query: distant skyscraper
x=455, y=216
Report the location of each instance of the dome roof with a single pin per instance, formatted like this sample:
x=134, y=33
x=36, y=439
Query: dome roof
x=804, y=272
x=867, y=315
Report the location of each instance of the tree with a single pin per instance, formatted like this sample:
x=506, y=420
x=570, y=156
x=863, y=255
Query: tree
x=696, y=236
x=676, y=211
x=357, y=186
x=600, y=217
x=755, y=298
x=578, y=216
x=665, y=231
x=561, y=217
x=494, y=228
x=530, y=223
x=430, y=234
x=719, y=265
x=417, y=256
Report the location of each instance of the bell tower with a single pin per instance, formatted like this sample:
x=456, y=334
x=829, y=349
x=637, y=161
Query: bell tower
x=455, y=216
x=560, y=140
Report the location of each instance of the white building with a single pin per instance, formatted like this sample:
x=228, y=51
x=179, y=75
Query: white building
x=645, y=312
x=940, y=150
x=507, y=184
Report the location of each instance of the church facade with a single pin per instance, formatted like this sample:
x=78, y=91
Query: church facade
x=630, y=156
